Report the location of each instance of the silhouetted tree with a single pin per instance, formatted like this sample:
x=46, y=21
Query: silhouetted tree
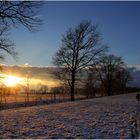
x=123, y=77
x=80, y=47
x=5, y=44
x=43, y=89
x=91, y=83
x=107, y=68
x=13, y=13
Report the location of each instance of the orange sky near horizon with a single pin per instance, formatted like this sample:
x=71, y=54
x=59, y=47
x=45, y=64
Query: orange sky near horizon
x=13, y=80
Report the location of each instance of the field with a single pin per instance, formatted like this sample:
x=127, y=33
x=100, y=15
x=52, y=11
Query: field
x=21, y=99
x=107, y=117
x=17, y=98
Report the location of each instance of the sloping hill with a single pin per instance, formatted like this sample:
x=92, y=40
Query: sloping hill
x=107, y=117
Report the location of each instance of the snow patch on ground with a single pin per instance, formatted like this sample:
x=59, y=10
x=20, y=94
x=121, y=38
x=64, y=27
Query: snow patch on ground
x=107, y=117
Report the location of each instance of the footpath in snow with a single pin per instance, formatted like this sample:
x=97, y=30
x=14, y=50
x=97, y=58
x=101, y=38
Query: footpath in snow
x=115, y=117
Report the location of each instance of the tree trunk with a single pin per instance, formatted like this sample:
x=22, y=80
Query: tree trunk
x=72, y=86
x=109, y=88
x=109, y=91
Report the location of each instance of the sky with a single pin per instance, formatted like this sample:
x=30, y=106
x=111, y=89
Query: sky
x=118, y=22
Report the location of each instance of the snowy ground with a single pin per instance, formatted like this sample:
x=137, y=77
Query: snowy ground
x=107, y=117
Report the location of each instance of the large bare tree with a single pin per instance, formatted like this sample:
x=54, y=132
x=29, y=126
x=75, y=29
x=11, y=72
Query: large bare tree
x=80, y=47
x=13, y=14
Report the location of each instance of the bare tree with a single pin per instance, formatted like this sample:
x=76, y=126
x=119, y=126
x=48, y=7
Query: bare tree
x=28, y=76
x=80, y=47
x=13, y=13
x=92, y=82
x=123, y=77
x=6, y=45
x=90, y=85
x=107, y=68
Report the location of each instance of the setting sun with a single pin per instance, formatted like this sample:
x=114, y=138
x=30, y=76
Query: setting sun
x=11, y=81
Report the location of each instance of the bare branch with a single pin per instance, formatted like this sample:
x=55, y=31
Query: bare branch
x=20, y=12
x=6, y=45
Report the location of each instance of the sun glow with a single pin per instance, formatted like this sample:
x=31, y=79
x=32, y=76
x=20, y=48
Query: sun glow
x=20, y=81
x=11, y=81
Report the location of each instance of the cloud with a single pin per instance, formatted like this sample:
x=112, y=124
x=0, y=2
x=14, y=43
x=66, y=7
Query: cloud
x=135, y=73
x=26, y=65
x=44, y=74
x=37, y=75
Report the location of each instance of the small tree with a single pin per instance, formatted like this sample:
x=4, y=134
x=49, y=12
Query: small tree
x=43, y=89
x=91, y=83
x=122, y=78
x=80, y=47
x=107, y=68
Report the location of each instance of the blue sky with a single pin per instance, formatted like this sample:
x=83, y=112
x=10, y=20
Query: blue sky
x=119, y=24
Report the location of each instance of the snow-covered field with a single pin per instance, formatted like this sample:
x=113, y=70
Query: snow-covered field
x=107, y=117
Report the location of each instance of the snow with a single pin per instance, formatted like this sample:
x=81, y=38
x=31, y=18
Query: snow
x=115, y=117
